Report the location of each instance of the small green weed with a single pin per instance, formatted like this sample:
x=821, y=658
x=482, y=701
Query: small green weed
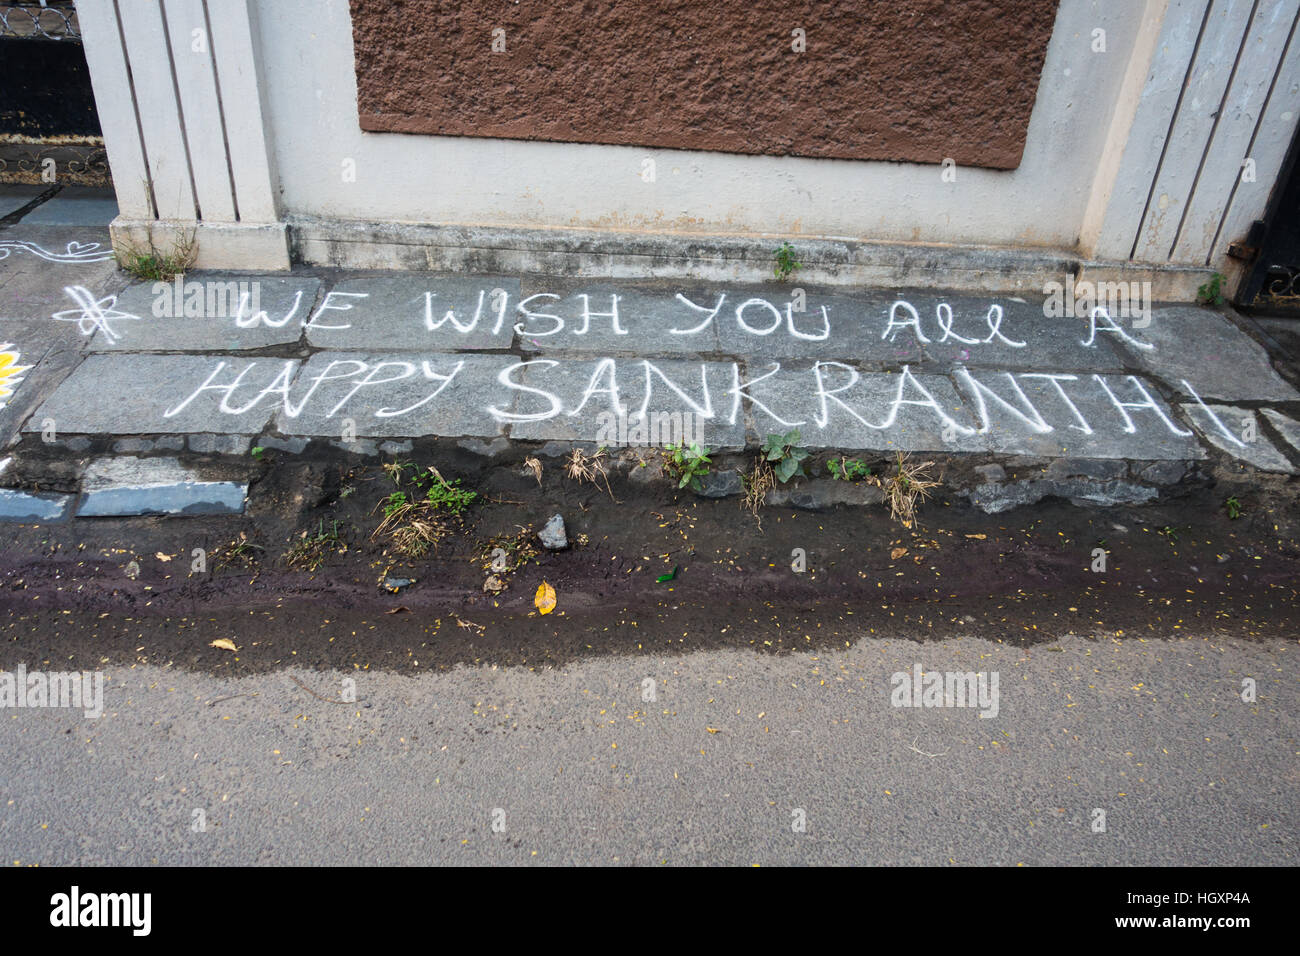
x=786, y=264
x=1211, y=293
x=848, y=469
x=687, y=463
x=785, y=456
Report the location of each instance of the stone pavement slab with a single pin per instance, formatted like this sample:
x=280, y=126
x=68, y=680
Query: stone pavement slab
x=27, y=506
x=403, y=395
x=34, y=358
x=75, y=206
x=616, y=319
x=1202, y=347
x=167, y=394
x=615, y=361
x=408, y=312
x=14, y=196
x=1015, y=334
x=38, y=263
x=1077, y=415
x=835, y=405
x=1236, y=431
x=1287, y=427
x=599, y=400
x=765, y=323
x=200, y=312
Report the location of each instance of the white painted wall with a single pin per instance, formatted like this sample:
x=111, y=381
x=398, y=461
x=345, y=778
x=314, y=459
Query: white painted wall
x=307, y=61
x=1133, y=152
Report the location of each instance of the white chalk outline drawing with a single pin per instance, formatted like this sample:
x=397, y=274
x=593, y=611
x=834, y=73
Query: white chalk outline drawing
x=11, y=373
x=75, y=251
x=93, y=315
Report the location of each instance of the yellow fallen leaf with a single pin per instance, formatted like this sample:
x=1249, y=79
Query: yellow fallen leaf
x=897, y=553
x=162, y=557
x=977, y=537
x=545, y=600
x=224, y=643
x=712, y=730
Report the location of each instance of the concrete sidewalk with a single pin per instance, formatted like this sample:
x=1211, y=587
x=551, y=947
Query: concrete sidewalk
x=367, y=363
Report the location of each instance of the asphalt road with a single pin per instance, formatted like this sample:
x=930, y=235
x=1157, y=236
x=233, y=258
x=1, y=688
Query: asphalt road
x=574, y=767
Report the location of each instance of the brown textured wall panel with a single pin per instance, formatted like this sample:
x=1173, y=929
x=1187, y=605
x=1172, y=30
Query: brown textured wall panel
x=915, y=80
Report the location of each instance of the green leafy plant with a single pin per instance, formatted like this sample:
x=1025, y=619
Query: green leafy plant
x=1211, y=293
x=393, y=503
x=1233, y=504
x=785, y=455
x=687, y=463
x=848, y=469
x=258, y=452
x=786, y=263
x=448, y=496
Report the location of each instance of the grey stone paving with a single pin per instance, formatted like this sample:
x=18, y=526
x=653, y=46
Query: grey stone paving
x=75, y=206
x=360, y=359
x=209, y=314
x=1200, y=346
x=172, y=394
x=586, y=399
x=37, y=265
x=838, y=406
x=433, y=313
x=1227, y=430
x=1288, y=427
x=395, y=394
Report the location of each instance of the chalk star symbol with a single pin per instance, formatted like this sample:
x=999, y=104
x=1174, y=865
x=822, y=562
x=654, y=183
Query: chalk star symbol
x=94, y=315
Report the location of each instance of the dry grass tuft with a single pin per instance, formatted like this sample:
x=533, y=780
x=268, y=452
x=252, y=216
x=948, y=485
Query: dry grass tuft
x=760, y=480
x=589, y=468
x=535, y=467
x=906, y=488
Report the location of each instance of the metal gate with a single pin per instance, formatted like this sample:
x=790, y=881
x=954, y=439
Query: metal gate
x=49, y=129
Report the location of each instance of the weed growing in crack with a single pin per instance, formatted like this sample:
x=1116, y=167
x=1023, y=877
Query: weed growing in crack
x=786, y=264
x=507, y=553
x=687, y=463
x=240, y=554
x=784, y=455
x=848, y=469
x=906, y=488
x=149, y=264
x=533, y=466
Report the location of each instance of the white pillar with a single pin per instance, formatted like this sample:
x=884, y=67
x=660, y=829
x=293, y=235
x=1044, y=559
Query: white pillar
x=179, y=96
